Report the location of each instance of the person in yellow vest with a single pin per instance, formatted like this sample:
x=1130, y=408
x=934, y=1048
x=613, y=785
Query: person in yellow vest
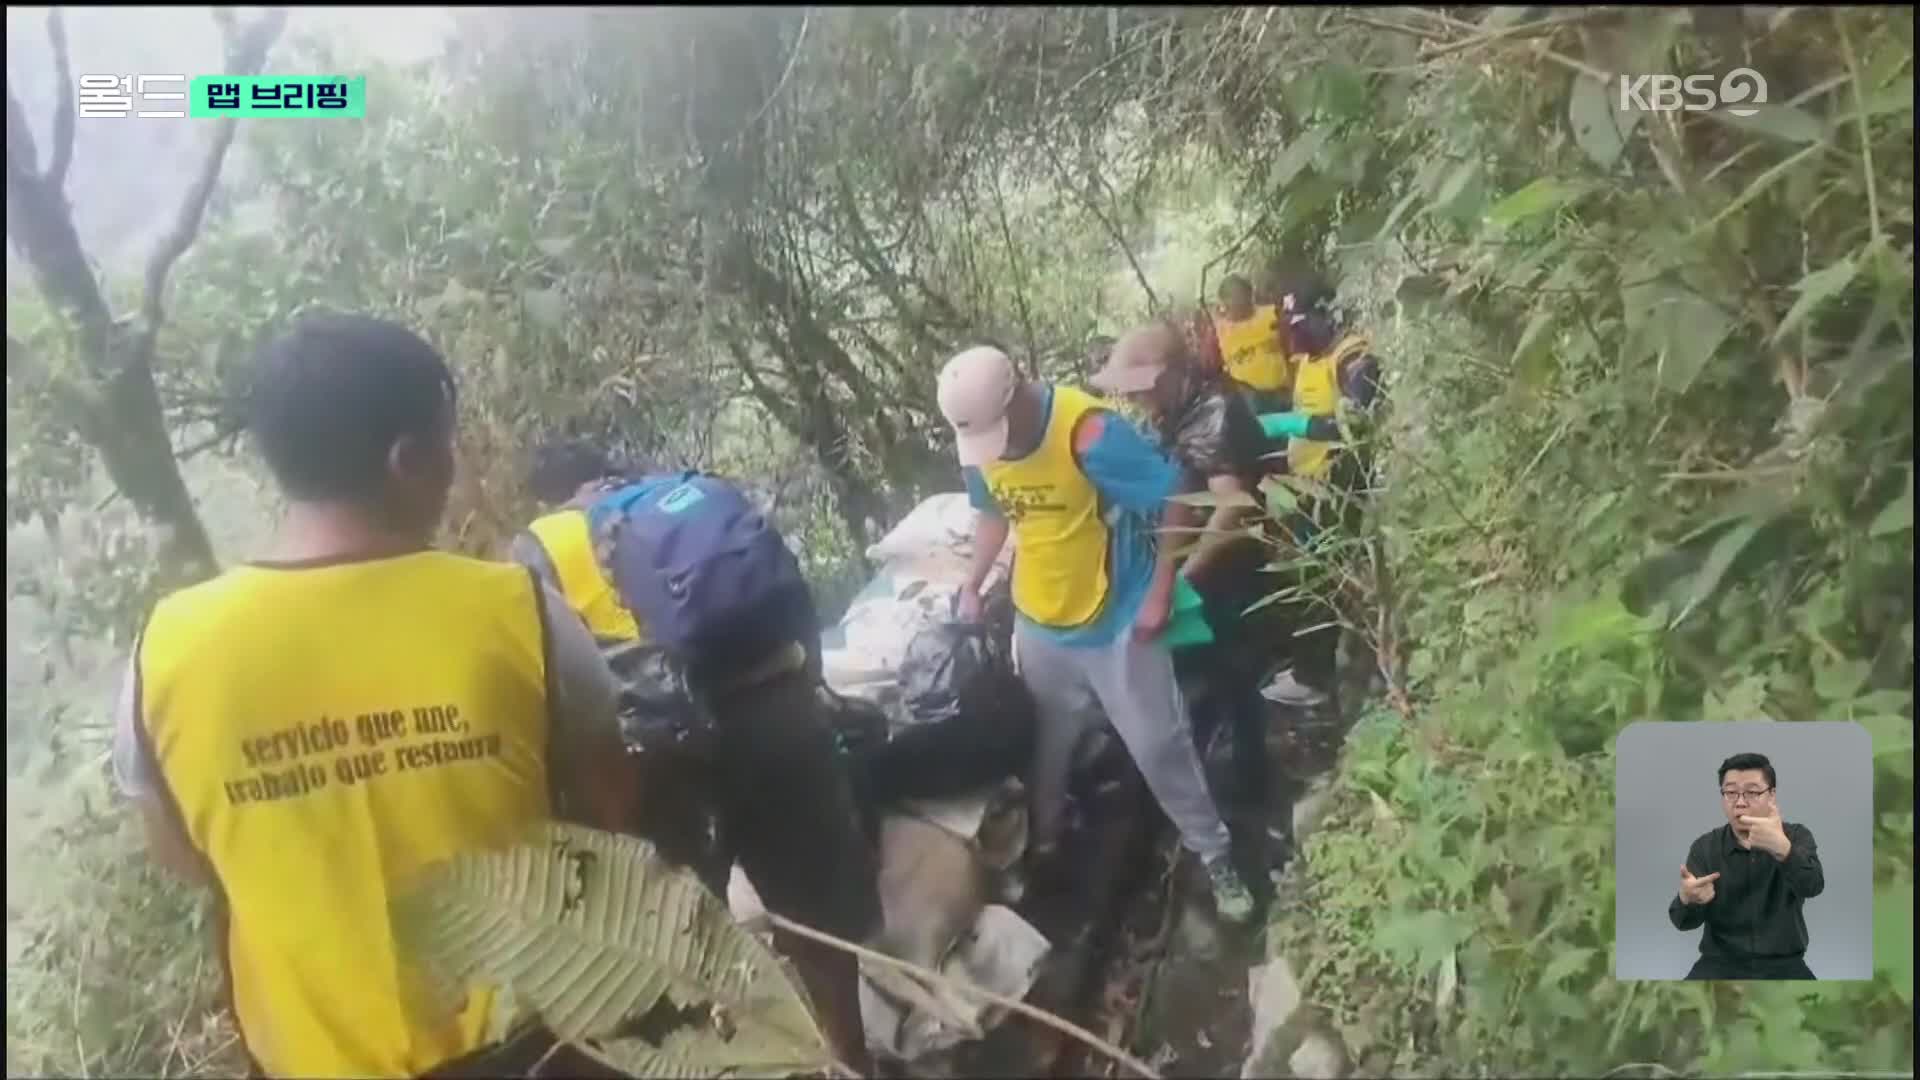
x=566, y=477
x=1082, y=491
x=306, y=733
x=1208, y=431
x=556, y=545
x=1252, y=346
x=774, y=794
x=1335, y=371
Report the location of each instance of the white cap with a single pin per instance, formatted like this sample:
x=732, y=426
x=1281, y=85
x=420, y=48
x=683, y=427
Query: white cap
x=975, y=389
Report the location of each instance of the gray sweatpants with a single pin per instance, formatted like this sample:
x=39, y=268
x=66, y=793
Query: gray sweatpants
x=1134, y=685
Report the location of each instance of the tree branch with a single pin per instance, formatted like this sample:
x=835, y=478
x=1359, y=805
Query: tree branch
x=1019, y=279
x=40, y=226
x=246, y=53
x=63, y=90
x=223, y=433
x=20, y=362
x=22, y=156
x=186, y=226
x=927, y=976
x=1097, y=182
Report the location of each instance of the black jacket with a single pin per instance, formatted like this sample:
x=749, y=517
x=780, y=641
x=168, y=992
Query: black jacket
x=1756, y=905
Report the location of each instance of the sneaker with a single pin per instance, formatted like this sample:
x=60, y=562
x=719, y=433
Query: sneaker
x=1287, y=690
x=1230, y=896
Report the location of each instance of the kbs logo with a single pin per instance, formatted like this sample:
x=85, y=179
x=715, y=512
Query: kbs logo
x=1738, y=92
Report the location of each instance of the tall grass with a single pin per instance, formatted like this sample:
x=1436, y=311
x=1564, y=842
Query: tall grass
x=110, y=969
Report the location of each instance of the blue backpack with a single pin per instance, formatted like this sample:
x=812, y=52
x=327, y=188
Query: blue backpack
x=707, y=575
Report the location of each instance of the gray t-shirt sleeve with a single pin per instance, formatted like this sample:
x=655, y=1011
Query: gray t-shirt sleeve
x=134, y=771
x=584, y=690
x=528, y=551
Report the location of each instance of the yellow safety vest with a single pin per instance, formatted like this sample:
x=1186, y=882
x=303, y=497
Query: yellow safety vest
x=1060, y=576
x=1316, y=392
x=569, y=544
x=327, y=733
x=1251, y=349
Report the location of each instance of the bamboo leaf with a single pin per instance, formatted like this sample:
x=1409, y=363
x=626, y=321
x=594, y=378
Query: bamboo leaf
x=1893, y=936
x=1539, y=197
x=1597, y=126
x=1689, y=330
x=1455, y=184
x=1815, y=289
x=1280, y=499
x=1787, y=123
x=1565, y=965
x=1706, y=582
x=1297, y=155
x=1896, y=516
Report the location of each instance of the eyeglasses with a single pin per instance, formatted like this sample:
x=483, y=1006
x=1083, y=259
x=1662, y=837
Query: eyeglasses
x=1733, y=796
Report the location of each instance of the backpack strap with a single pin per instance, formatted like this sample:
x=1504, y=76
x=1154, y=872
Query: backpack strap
x=1351, y=347
x=783, y=661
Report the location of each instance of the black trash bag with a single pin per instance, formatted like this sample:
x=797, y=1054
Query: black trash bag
x=857, y=725
x=947, y=660
x=943, y=664
x=973, y=720
x=859, y=733
x=658, y=710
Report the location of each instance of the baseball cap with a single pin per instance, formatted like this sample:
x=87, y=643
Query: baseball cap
x=1135, y=363
x=975, y=389
x=1139, y=358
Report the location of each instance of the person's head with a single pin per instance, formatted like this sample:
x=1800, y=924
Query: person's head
x=1266, y=283
x=356, y=414
x=1236, y=296
x=1098, y=349
x=1307, y=314
x=1746, y=787
x=1150, y=365
x=982, y=397
x=560, y=469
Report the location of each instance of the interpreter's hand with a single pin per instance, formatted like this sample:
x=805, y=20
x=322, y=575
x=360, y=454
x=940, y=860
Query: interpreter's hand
x=1768, y=834
x=1695, y=891
x=967, y=606
x=1156, y=611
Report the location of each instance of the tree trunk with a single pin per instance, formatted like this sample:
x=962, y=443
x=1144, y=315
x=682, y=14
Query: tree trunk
x=111, y=399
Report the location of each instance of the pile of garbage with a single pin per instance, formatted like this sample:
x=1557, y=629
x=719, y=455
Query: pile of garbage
x=948, y=815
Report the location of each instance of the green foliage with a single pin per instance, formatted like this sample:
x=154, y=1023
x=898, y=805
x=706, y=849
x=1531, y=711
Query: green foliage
x=1650, y=458
x=109, y=965
x=1648, y=454
x=605, y=943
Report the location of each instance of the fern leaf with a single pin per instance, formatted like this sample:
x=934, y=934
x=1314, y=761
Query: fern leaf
x=603, y=941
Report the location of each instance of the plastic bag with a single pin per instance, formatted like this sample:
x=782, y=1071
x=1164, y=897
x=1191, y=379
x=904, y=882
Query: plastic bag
x=658, y=711
x=857, y=725
x=1215, y=434
x=940, y=523
x=968, y=719
x=945, y=665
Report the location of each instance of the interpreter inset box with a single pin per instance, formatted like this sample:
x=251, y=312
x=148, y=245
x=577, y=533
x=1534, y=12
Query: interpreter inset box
x=1743, y=851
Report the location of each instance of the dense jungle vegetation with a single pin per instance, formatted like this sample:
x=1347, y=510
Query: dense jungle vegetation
x=1649, y=454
